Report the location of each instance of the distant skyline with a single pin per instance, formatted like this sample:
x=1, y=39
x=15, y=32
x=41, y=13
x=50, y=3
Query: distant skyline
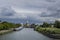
x=36, y=11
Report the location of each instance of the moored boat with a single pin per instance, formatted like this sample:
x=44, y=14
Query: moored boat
x=17, y=29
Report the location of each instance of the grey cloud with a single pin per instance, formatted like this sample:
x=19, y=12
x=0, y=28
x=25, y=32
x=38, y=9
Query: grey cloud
x=6, y=11
x=48, y=8
x=51, y=0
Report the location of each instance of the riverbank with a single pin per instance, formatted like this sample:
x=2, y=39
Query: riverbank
x=5, y=31
x=10, y=30
x=50, y=32
x=6, y=27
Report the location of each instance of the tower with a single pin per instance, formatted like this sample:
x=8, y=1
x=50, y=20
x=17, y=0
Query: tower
x=27, y=24
x=22, y=24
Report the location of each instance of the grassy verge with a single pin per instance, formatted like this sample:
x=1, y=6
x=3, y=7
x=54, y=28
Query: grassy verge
x=6, y=27
x=51, y=32
x=5, y=31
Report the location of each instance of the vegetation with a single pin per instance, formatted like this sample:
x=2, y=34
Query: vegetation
x=33, y=26
x=48, y=30
x=51, y=30
x=57, y=24
x=45, y=24
x=6, y=25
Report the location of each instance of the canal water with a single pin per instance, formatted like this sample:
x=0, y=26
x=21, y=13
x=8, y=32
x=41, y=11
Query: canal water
x=24, y=34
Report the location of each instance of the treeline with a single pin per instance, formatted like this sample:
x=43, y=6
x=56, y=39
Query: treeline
x=48, y=28
x=56, y=24
x=7, y=25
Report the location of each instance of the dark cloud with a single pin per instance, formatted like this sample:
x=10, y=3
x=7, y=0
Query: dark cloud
x=35, y=10
x=7, y=12
x=51, y=0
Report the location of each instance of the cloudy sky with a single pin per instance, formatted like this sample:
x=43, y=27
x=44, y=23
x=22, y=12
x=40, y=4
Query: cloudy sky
x=37, y=11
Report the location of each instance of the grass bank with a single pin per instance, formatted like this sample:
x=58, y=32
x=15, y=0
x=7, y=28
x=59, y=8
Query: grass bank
x=50, y=32
x=6, y=27
x=5, y=31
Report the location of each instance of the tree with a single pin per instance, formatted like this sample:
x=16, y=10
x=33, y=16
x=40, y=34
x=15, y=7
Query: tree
x=45, y=24
x=57, y=24
x=33, y=26
x=18, y=25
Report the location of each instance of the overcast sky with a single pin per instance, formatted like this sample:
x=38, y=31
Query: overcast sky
x=34, y=10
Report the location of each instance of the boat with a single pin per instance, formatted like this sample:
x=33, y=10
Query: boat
x=17, y=29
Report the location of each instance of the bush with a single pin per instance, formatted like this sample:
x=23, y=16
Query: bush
x=6, y=25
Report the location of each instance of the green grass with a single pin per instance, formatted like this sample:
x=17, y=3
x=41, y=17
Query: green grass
x=8, y=25
x=48, y=30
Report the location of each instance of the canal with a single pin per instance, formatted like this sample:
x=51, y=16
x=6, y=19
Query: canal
x=24, y=34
